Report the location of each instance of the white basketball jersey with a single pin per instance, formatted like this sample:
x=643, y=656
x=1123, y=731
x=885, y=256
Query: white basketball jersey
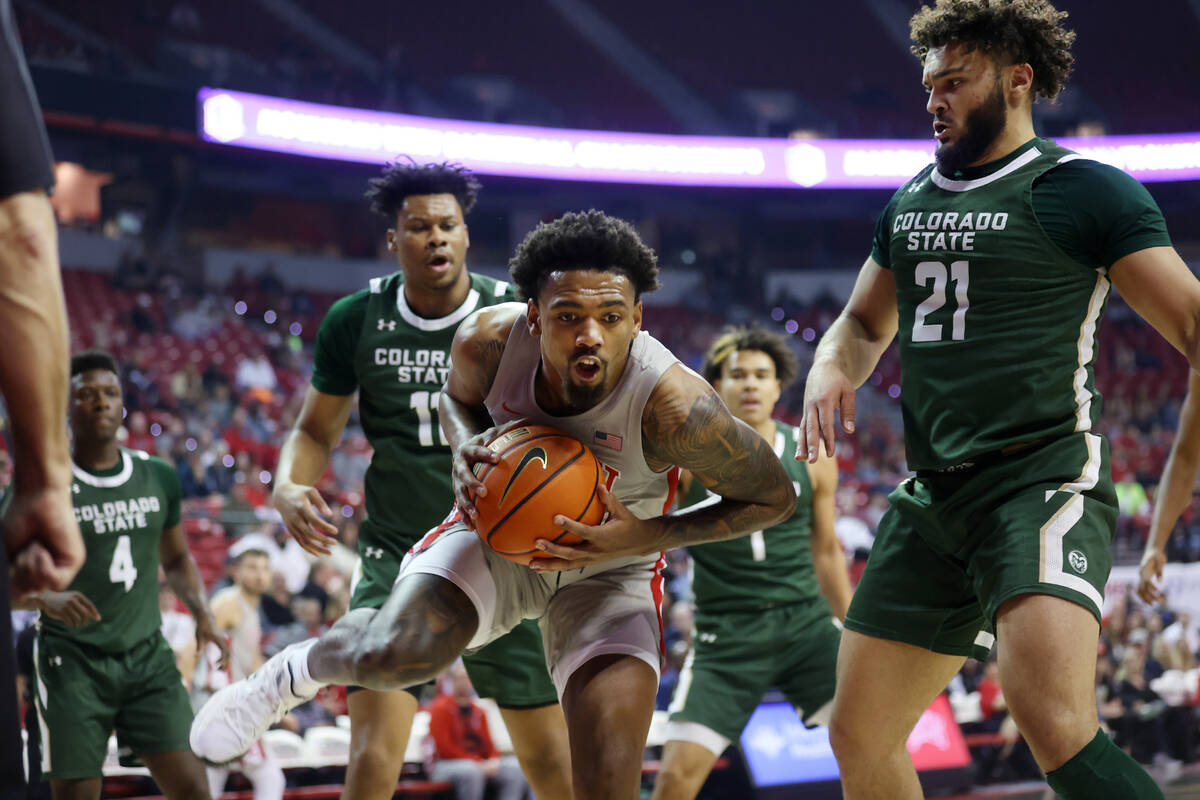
x=612, y=429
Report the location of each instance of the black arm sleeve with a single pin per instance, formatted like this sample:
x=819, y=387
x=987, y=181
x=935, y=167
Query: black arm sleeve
x=1096, y=213
x=25, y=160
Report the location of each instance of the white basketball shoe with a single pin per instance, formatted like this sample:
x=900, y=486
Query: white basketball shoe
x=237, y=716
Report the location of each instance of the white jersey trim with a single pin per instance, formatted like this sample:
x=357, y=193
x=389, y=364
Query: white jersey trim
x=1086, y=349
x=1052, y=535
x=107, y=482
x=44, y=698
x=942, y=182
x=453, y=318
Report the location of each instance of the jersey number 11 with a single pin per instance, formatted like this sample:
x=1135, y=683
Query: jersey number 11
x=426, y=404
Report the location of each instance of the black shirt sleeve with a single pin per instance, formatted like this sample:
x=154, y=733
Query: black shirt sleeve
x=1096, y=213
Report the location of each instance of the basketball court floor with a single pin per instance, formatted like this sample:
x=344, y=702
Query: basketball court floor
x=1184, y=787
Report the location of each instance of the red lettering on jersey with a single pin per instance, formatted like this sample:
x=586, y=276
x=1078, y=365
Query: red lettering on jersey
x=613, y=474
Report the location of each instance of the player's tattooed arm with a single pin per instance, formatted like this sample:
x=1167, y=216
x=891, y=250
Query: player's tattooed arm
x=474, y=359
x=685, y=423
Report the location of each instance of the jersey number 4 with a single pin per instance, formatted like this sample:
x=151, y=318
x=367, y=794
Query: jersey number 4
x=122, y=570
x=936, y=271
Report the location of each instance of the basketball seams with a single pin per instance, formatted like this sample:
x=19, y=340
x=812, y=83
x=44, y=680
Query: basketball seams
x=533, y=492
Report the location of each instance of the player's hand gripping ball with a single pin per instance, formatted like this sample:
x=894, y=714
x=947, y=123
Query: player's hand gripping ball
x=542, y=472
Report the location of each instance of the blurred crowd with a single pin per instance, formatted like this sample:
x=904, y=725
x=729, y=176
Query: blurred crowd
x=1147, y=695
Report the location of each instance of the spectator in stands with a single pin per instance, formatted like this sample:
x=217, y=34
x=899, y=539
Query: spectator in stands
x=852, y=532
x=239, y=284
x=256, y=377
x=1011, y=759
x=187, y=387
x=194, y=476
x=308, y=613
x=680, y=623
x=1141, y=726
x=269, y=282
x=179, y=629
x=133, y=272
x=678, y=574
x=1184, y=640
x=139, y=437
x=463, y=751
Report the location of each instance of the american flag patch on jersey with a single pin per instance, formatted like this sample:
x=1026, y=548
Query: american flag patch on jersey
x=609, y=440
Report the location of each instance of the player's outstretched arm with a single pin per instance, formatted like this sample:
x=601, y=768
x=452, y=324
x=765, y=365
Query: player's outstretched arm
x=183, y=576
x=829, y=560
x=474, y=358
x=302, y=461
x=1174, y=493
x=846, y=356
x=686, y=424
x=41, y=534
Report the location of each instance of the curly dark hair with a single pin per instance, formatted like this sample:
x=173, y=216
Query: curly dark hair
x=581, y=241
x=400, y=180
x=89, y=360
x=1010, y=31
x=750, y=337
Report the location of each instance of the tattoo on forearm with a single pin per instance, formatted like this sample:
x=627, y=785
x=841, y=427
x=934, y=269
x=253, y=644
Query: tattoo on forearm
x=727, y=457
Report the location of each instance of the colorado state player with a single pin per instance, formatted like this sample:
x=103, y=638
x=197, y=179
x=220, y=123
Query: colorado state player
x=391, y=343
x=101, y=661
x=761, y=620
x=993, y=266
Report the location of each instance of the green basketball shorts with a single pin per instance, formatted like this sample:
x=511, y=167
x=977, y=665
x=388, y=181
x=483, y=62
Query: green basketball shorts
x=83, y=694
x=954, y=546
x=736, y=657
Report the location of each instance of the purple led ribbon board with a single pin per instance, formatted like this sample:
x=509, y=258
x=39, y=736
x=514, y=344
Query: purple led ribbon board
x=374, y=137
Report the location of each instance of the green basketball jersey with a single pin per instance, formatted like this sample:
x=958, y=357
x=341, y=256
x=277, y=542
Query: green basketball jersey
x=767, y=568
x=122, y=513
x=373, y=342
x=997, y=323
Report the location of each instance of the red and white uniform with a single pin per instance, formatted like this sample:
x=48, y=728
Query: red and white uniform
x=609, y=608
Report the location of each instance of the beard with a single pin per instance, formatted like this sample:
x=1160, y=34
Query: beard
x=981, y=127
x=585, y=396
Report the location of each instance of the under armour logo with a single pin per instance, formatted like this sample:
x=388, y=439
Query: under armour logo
x=707, y=638
x=56, y=661
x=75, y=488
x=390, y=324
x=373, y=552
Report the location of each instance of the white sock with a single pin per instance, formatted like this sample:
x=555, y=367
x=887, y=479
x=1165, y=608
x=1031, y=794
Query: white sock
x=303, y=684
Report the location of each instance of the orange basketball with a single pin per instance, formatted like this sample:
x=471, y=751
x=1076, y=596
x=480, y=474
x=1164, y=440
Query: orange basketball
x=542, y=472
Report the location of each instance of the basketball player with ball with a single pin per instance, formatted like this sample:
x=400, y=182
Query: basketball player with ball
x=574, y=358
